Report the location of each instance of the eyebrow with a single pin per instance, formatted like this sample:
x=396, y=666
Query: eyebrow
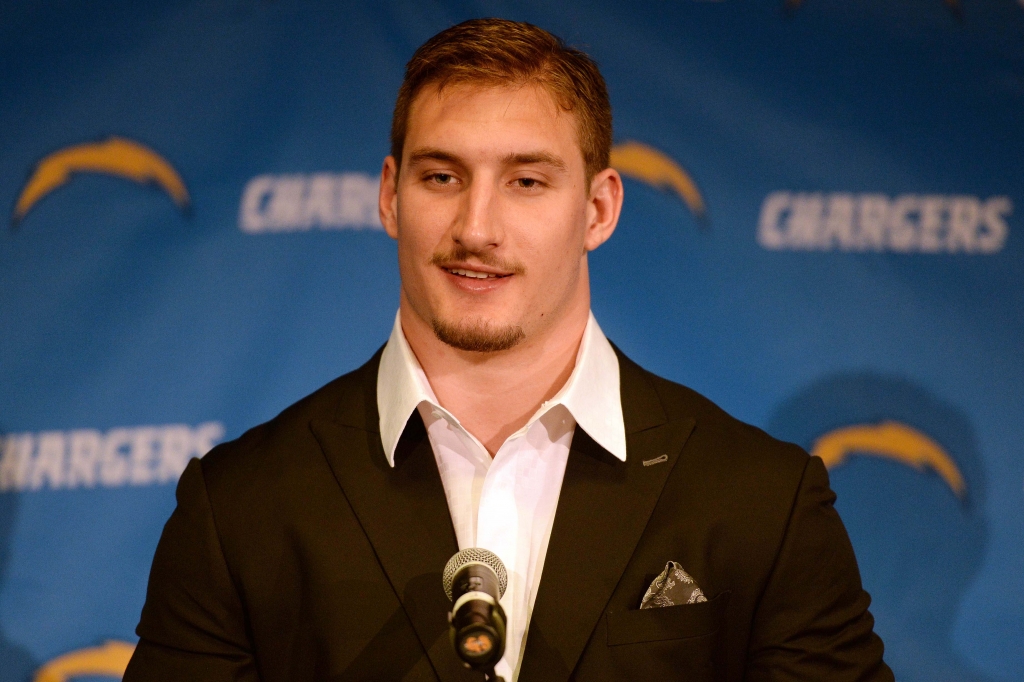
x=432, y=154
x=512, y=159
x=529, y=158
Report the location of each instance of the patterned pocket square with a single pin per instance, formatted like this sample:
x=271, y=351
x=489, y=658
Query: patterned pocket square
x=674, y=586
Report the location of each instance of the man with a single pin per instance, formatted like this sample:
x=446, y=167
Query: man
x=498, y=415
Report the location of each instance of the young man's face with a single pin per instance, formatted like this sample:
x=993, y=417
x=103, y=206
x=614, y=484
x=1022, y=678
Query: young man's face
x=492, y=213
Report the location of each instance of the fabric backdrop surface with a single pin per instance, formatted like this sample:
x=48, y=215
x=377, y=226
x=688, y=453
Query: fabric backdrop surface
x=822, y=233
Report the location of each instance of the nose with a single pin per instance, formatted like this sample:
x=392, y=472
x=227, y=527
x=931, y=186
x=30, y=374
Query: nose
x=477, y=228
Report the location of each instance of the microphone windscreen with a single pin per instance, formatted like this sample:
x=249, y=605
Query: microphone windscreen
x=474, y=555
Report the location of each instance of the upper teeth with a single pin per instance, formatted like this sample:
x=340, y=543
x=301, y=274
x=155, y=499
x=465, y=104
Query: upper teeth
x=471, y=273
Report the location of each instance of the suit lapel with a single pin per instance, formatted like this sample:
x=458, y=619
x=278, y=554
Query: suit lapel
x=603, y=509
x=403, y=512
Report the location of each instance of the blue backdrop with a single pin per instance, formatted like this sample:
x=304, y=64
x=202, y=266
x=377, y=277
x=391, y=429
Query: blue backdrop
x=193, y=245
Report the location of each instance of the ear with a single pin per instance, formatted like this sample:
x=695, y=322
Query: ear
x=603, y=207
x=387, y=202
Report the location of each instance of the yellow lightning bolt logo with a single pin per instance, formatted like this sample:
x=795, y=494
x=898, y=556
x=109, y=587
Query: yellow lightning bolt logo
x=107, y=660
x=114, y=156
x=647, y=164
x=892, y=440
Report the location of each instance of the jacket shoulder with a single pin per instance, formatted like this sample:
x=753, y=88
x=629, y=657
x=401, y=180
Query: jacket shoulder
x=724, y=440
x=281, y=444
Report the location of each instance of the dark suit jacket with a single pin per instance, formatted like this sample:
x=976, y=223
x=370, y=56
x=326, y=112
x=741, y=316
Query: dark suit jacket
x=296, y=553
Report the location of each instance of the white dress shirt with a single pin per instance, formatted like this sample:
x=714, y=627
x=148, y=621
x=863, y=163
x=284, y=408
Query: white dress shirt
x=506, y=504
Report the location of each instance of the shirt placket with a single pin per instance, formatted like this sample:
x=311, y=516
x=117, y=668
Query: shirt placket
x=498, y=526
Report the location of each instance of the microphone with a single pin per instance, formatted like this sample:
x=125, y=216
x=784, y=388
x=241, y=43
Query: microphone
x=475, y=579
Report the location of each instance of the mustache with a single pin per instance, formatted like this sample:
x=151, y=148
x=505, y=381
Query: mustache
x=460, y=254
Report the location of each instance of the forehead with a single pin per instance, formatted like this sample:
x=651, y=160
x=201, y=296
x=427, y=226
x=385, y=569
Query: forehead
x=497, y=118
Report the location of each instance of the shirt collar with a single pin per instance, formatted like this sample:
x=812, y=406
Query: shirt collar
x=591, y=394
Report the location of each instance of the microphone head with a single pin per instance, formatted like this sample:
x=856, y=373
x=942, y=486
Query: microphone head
x=474, y=555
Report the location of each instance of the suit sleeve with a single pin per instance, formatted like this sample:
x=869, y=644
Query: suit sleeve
x=812, y=622
x=193, y=625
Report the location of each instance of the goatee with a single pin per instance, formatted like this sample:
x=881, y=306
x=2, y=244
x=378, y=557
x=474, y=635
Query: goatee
x=479, y=337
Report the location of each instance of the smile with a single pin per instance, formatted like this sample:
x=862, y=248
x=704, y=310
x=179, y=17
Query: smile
x=475, y=274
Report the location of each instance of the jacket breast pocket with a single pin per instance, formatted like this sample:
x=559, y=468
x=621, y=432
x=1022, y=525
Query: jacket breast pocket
x=684, y=621
x=681, y=643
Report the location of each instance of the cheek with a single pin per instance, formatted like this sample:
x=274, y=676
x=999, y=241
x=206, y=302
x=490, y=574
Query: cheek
x=412, y=260
x=420, y=232
x=556, y=252
x=562, y=238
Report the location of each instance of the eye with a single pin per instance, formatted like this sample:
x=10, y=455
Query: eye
x=441, y=178
x=527, y=183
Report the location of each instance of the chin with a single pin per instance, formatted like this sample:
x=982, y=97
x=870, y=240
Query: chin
x=478, y=336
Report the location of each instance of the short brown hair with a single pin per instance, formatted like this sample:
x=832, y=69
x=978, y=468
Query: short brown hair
x=503, y=52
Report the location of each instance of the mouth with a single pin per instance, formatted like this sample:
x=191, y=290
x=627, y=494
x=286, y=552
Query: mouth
x=475, y=274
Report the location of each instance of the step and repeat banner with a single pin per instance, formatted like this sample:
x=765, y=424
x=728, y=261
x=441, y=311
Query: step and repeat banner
x=823, y=232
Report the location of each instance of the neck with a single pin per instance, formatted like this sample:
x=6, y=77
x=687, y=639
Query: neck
x=493, y=395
